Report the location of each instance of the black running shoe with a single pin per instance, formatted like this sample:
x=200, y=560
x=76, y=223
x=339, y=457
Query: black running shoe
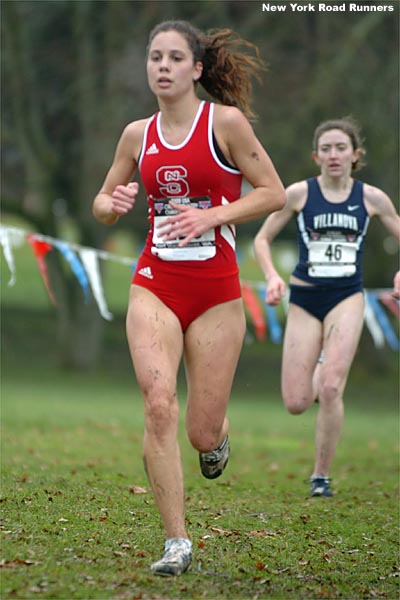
x=213, y=463
x=320, y=487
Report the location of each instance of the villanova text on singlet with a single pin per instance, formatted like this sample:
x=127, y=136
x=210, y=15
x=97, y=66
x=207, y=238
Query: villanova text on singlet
x=331, y=237
x=190, y=173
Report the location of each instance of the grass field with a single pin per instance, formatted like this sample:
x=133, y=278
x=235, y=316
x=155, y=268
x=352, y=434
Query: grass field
x=78, y=520
x=75, y=524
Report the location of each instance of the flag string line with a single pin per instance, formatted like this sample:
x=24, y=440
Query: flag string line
x=52, y=240
x=105, y=255
x=253, y=292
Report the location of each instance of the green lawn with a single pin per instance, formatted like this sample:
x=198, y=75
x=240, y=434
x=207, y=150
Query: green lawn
x=73, y=526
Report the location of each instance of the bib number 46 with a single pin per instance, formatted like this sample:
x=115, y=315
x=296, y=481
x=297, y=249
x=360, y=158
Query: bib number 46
x=334, y=252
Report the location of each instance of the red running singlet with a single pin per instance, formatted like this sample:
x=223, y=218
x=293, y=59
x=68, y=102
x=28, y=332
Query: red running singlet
x=190, y=173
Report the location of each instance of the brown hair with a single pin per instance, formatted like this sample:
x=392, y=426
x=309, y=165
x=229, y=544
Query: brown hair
x=227, y=70
x=351, y=128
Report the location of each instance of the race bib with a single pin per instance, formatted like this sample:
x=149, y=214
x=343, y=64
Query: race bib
x=201, y=248
x=332, y=258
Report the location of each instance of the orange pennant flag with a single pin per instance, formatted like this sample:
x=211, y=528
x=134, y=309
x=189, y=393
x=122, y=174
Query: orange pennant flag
x=255, y=311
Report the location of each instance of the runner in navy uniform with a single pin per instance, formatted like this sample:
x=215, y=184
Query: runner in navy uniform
x=326, y=303
x=185, y=298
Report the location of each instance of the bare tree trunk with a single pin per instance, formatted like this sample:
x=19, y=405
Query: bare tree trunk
x=80, y=327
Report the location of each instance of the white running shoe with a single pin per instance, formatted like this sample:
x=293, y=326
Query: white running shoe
x=213, y=463
x=176, y=558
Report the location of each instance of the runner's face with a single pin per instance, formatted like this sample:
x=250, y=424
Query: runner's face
x=170, y=68
x=335, y=154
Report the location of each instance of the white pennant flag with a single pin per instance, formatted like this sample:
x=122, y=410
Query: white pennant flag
x=90, y=262
x=9, y=238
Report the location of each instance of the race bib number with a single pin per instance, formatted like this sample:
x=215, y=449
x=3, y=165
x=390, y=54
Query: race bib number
x=332, y=258
x=201, y=248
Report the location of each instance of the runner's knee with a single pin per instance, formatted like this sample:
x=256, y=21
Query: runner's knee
x=296, y=404
x=296, y=407
x=204, y=440
x=329, y=391
x=161, y=415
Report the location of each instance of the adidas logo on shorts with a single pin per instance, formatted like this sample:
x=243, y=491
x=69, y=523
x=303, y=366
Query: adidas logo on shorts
x=152, y=150
x=146, y=272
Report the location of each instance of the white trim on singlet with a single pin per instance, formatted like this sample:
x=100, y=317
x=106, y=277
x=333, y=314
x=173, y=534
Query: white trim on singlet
x=364, y=231
x=228, y=231
x=189, y=135
x=144, y=142
x=211, y=144
x=302, y=229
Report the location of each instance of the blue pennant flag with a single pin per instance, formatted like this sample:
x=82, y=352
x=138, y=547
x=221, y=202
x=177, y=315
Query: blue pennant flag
x=77, y=268
x=273, y=323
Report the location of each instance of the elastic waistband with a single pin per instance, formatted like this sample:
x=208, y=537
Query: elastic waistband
x=356, y=287
x=191, y=268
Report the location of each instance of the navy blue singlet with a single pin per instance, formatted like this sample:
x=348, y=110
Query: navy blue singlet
x=331, y=237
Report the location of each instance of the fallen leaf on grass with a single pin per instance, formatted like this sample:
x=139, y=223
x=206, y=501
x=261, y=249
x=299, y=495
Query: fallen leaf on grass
x=263, y=532
x=305, y=518
x=11, y=564
x=279, y=571
x=224, y=531
x=23, y=479
x=41, y=587
x=323, y=592
x=136, y=489
x=326, y=558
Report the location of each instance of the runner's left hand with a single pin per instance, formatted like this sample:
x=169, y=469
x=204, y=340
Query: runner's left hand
x=187, y=224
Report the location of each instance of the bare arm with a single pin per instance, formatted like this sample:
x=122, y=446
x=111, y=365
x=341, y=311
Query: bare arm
x=117, y=194
x=296, y=195
x=248, y=155
x=379, y=204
